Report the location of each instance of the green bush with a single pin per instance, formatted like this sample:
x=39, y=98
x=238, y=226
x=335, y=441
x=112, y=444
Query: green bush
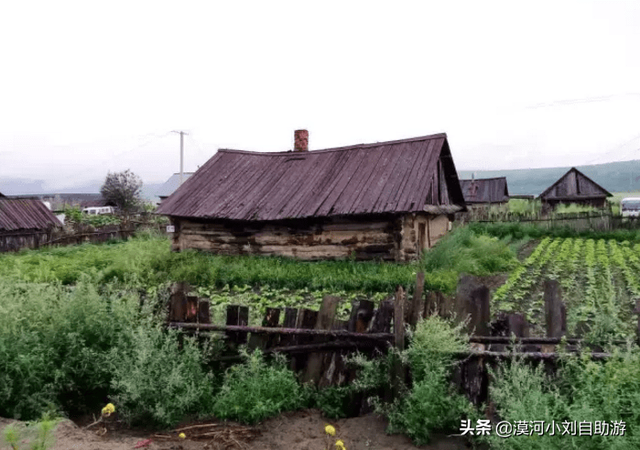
x=432, y=403
x=55, y=344
x=254, y=390
x=157, y=382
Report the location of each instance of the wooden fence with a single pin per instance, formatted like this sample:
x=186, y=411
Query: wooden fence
x=318, y=342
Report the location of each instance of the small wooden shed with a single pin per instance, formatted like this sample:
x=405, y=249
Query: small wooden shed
x=485, y=191
x=575, y=187
x=388, y=200
x=25, y=223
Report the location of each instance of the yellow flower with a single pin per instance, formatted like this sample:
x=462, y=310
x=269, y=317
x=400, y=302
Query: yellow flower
x=330, y=430
x=340, y=445
x=107, y=410
x=182, y=435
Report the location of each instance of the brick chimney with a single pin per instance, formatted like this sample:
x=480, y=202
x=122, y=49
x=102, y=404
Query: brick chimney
x=301, y=141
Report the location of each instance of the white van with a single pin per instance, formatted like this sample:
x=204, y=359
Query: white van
x=630, y=207
x=98, y=210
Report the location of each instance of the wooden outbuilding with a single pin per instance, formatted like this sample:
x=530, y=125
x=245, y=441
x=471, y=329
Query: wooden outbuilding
x=388, y=200
x=25, y=223
x=485, y=191
x=575, y=187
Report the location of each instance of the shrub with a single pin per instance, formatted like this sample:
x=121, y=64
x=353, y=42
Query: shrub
x=157, y=382
x=432, y=404
x=254, y=390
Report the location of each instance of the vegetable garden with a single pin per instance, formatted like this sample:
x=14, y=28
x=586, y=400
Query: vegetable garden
x=599, y=279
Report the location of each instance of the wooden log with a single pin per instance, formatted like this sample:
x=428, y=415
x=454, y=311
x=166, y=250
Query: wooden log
x=417, y=304
x=324, y=321
x=284, y=331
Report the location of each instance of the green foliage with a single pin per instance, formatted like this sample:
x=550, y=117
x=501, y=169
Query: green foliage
x=432, y=404
x=463, y=251
x=74, y=215
x=37, y=435
x=255, y=390
x=519, y=230
x=55, y=344
x=582, y=390
x=123, y=189
x=157, y=382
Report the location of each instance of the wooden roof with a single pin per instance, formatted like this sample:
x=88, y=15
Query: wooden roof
x=574, y=185
x=386, y=177
x=485, y=190
x=25, y=214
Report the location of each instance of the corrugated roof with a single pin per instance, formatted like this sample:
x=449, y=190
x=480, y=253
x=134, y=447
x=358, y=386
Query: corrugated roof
x=25, y=214
x=386, y=177
x=485, y=190
x=172, y=184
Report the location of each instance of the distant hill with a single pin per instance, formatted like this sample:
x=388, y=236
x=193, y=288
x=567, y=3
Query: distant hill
x=17, y=186
x=621, y=176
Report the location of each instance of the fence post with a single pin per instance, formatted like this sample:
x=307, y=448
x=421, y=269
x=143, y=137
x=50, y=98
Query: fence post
x=472, y=305
x=555, y=312
x=417, y=305
x=397, y=377
x=323, y=322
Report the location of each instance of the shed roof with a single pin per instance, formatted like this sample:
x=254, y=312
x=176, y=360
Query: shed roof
x=385, y=177
x=172, y=184
x=485, y=190
x=25, y=214
x=571, y=180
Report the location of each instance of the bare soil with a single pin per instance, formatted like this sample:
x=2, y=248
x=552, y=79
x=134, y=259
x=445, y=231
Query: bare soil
x=302, y=430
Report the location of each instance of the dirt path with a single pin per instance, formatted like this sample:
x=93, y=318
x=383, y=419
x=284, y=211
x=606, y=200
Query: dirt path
x=303, y=430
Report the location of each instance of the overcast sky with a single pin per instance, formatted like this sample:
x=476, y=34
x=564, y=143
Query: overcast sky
x=88, y=87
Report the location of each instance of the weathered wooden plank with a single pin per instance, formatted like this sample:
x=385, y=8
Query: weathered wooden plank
x=262, y=341
x=236, y=316
x=204, y=310
x=398, y=375
x=473, y=305
x=382, y=317
x=417, y=304
x=324, y=321
x=553, y=306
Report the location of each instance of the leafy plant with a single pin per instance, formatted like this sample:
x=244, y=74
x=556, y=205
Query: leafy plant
x=254, y=390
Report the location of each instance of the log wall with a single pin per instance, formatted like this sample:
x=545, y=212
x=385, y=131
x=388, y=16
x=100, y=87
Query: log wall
x=390, y=238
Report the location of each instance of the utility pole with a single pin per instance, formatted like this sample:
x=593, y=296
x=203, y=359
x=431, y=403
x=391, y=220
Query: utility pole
x=182, y=133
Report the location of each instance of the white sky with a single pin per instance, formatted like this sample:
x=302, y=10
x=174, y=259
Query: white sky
x=87, y=87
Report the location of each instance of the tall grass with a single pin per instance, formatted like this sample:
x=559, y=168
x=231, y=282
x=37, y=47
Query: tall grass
x=518, y=230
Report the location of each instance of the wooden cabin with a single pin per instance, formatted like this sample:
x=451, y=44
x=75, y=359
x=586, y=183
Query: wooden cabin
x=25, y=223
x=574, y=187
x=485, y=191
x=388, y=200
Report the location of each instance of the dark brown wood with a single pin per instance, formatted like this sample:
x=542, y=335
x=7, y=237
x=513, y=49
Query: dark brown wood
x=284, y=331
x=382, y=318
x=417, y=305
x=306, y=321
x=238, y=317
x=324, y=321
x=473, y=305
x=398, y=372
x=555, y=317
x=270, y=320
x=289, y=322
x=430, y=304
x=192, y=308
x=361, y=315
x=204, y=311
x=178, y=302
